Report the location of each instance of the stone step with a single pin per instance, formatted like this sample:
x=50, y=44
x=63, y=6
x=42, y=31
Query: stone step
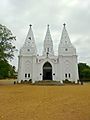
x=47, y=82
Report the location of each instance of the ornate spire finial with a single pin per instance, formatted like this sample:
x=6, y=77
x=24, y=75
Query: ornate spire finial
x=48, y=25
x=30, y=25
x=64, y=24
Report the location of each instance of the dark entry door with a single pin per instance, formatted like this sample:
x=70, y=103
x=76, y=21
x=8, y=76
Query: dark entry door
x=47, y=71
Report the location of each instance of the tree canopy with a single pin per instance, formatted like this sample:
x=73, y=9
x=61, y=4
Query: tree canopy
x=6, y=70
x=84, y=71
x=6, y=43
x=7, y=49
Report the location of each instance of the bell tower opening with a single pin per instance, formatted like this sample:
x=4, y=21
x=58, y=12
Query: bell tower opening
x=47, y=71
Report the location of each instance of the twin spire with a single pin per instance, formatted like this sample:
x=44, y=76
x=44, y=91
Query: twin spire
x=30, y=42
x=48, y=43
x=65, y=40
x=30, y=37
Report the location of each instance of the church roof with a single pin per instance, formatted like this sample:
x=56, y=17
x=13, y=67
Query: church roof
x=29, y=44
x=48, y=43
x=65, y=46
x=48, y=35
x=30, y=37
x=65, y=40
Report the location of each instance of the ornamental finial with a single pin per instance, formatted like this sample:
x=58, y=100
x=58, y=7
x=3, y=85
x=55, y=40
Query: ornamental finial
x=64, y=24
x=48, y=25
x=30, y=25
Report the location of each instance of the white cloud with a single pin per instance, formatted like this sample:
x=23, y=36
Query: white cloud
x=18, y=14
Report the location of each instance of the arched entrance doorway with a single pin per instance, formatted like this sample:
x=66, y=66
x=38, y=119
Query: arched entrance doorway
x=47, y=71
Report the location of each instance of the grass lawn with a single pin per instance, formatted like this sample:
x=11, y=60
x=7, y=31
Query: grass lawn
x=29, y=102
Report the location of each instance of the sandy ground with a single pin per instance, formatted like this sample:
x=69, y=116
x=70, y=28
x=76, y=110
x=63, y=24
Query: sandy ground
x=28, y=102
x=7, y=81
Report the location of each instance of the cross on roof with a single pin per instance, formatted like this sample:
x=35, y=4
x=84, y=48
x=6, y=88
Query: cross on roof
x=64, y=24
x=30, y=25
x=48, y=25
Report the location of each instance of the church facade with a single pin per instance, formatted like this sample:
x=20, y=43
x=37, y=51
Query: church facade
x=48, y=66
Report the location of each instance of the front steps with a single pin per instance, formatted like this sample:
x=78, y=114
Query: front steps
x=48, y=82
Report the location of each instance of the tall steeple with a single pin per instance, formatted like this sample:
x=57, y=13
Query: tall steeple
x=29, y=46
x=65, y=40
x=65, y=46
x=48, y=43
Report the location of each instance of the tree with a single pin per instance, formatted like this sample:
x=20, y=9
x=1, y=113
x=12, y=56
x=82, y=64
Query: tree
x=6, y=70
x=6, y=43
x=7, y=49
x=84, y=71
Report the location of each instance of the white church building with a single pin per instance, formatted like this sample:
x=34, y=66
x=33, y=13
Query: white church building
x=48, y=66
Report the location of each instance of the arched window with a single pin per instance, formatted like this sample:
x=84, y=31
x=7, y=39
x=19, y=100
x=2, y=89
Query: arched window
x=69, y=75
x=47, y=49
x=65, y=75
x=28, y=75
